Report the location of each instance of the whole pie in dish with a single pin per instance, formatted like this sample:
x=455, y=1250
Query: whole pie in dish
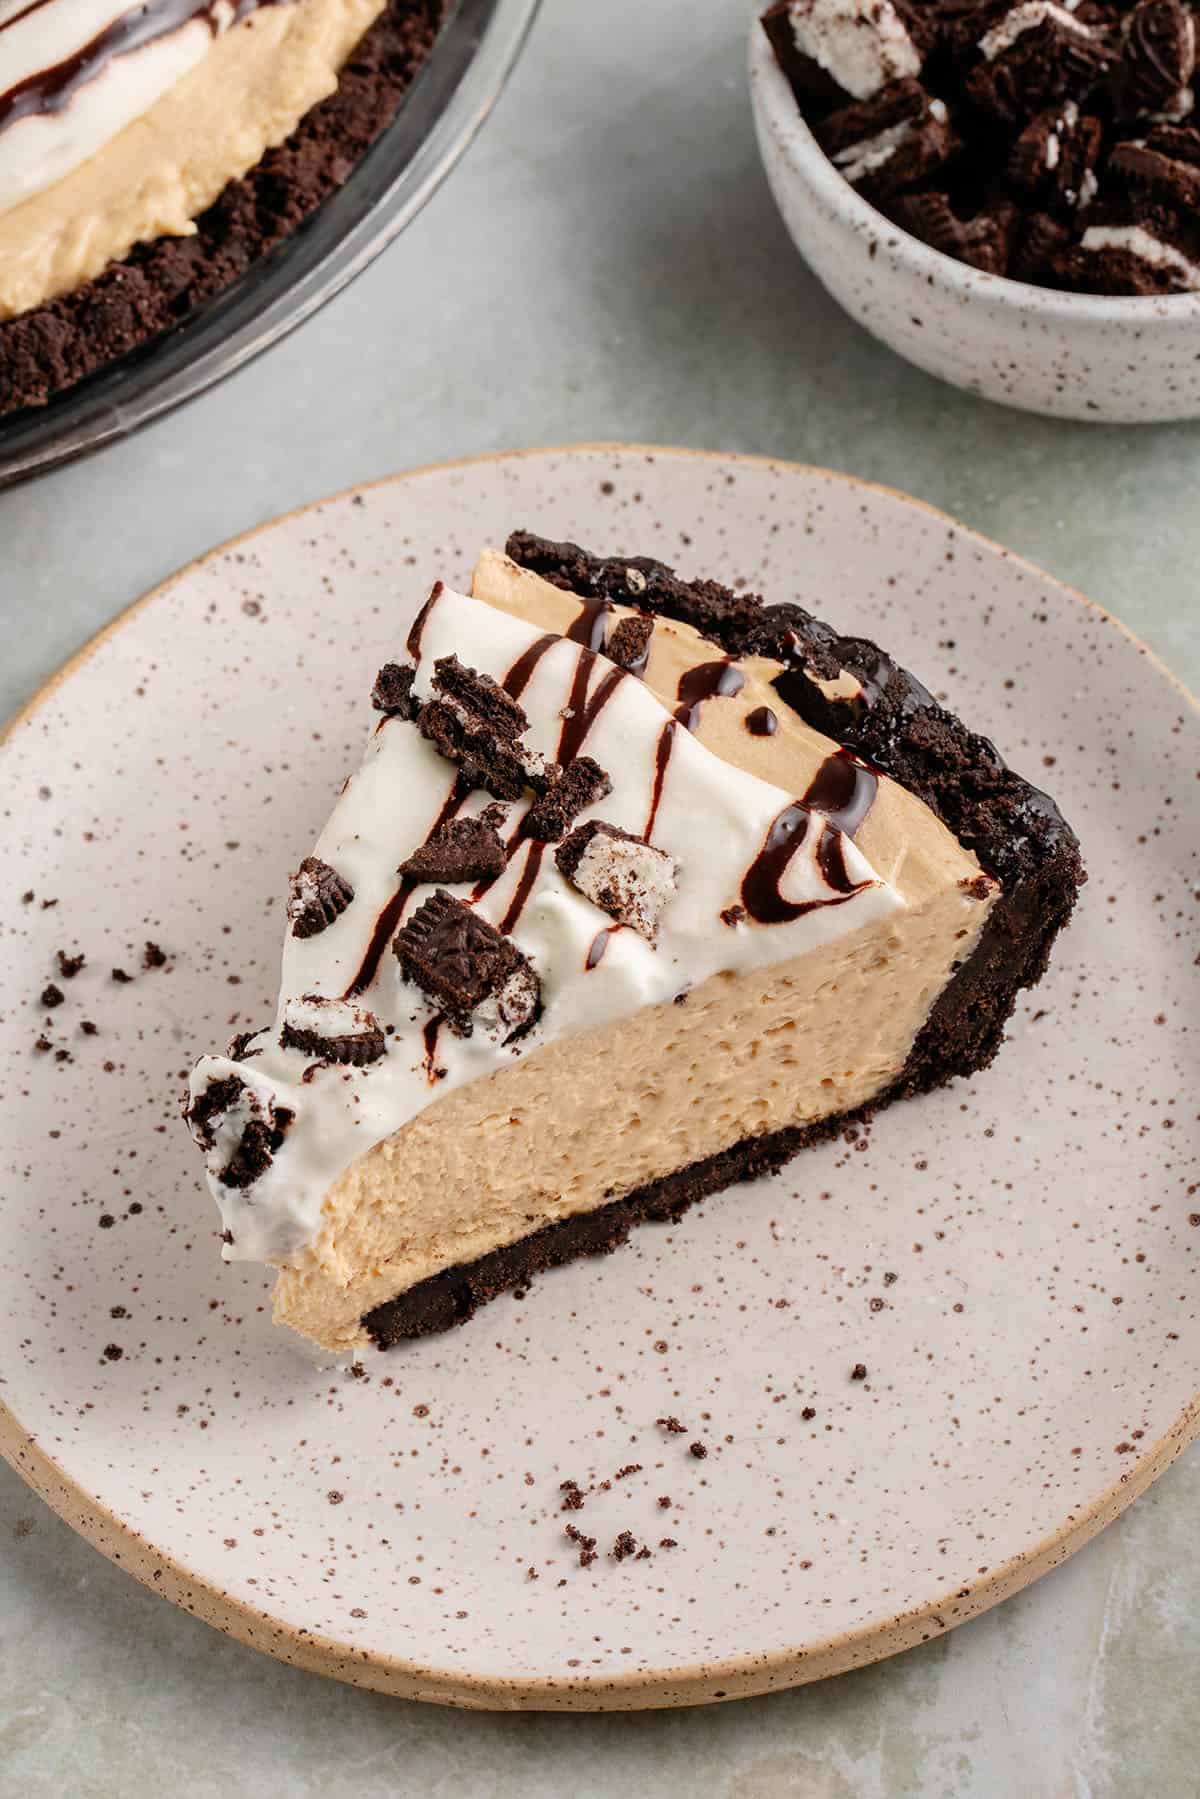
x=643, y=886
x=150, y=153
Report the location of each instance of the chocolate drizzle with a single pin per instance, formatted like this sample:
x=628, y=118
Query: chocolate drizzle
x=707, y=681
x=524, y=887
x=429, y=1037
x=844, y=789
x=589, y=627
x=52, y=90
x=762, y=722
x=393, y=912
x=761, y=895
x=520, y=674
x=417, y=631
x=662, y=756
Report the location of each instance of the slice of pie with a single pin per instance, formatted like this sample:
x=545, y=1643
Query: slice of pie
x=151, y=151
x=642, y=887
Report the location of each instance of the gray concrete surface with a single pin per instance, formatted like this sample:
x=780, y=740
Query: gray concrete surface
x=606, y=264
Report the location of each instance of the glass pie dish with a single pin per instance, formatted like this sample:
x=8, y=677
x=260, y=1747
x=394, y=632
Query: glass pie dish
x=452, y=95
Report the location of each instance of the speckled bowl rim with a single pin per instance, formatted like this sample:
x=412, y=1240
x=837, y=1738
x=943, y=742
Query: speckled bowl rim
x=738, y=1677
x=808, y=162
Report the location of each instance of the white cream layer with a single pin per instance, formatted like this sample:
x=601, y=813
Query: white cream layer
x=1028, y=17
x=39, y=150
x=712, y=818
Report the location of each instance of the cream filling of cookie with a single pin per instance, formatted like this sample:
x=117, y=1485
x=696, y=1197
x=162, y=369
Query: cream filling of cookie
x=863, y=44
x=784, y=1022
x=1136, y=241
x=226, y=101
x=1027, y=17
x=860, y=159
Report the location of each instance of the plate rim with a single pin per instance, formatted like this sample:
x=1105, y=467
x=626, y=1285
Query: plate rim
x=700, y=1683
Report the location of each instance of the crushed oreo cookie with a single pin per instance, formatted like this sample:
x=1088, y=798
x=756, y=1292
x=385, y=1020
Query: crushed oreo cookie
x=333, y=1030
x=473, y=974
x=239, y=1128
x=319, y=895
x=1027, y=139
x=628, y=643
x=392, y=693
x=68, y=966
x=153, y=956
x=466, y=849
x=624, y=875
x=472, y=721
x=552, y=813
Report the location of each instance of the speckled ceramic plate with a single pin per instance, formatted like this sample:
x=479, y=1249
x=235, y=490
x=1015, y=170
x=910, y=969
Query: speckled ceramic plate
x=1015, y=1260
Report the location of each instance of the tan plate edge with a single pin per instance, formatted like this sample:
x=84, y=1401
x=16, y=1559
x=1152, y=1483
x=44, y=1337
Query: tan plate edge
x=701, y=1683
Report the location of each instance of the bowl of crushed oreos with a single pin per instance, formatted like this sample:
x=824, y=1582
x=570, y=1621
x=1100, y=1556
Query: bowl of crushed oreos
x=1006, y=192
x=182, y=182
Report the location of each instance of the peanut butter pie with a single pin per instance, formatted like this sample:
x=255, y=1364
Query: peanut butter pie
x=642, y=887
x=149, y=153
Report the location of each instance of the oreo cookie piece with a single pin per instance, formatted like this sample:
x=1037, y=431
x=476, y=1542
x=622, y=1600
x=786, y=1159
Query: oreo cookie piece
x=835, y=50
x=985, y=241
x=628, y=643
x=392, y=693
x=1131, y=259
x=1041, y=246
x=1148, y=176
x=472, y=721
x=319, y=895
x=552, y=814
x=466, y=849
x=624, y=875
x=901, y=137
x=239, y=1127
x=473, y=974
x=1053, y=162
x=1037, y=54
x=332, y=1030
x=1159, y=60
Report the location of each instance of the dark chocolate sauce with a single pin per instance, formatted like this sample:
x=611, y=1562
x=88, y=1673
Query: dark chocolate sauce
x=761, y=894
x=430, y=1035
x=418, y=625
x=598, y=946
x=762, y=722
x=51, y=90
x=589, y=628
x=389, y=919
x=707, y=681
x=519, y=675
x=524, y=887
x=662, y=756
x=844, y=789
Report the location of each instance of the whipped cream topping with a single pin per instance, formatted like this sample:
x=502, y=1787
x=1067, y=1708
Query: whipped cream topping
x=1139, y=242
x=863, y=44
x=1027, y=17
x=75, y=73
x=761, y=879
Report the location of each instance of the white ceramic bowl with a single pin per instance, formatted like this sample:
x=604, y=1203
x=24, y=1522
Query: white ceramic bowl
x=1069, y=355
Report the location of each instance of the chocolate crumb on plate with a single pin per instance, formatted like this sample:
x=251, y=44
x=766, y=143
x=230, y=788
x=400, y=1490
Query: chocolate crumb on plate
x=119, y=975
x=625, y=1545
x=859, y=1371
x=51, y=996
x=699, y=1450
x=69, y=966
x=153, y=956
x=672, y=1426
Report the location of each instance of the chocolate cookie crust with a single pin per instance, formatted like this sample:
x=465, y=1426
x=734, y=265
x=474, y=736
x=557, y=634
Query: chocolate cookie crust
x=52, y=347
x=1017, y=832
